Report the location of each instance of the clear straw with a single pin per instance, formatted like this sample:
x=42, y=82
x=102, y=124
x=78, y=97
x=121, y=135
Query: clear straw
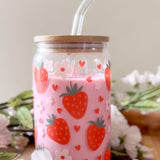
x=79, y=17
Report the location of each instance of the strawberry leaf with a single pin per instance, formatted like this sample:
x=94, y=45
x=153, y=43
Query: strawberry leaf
x=99, y=122
x=63, y=94
x=68, y=90
x=80, y=89
x=92, y=122
x=75, y=87
x=51, y=120
x=72, y=90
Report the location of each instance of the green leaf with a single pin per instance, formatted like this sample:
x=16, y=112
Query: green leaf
x=118, y=153
x=13, y=120
x=131, y=100
x=4, y=113
x=136, y=86
x=8, y=156
x=151, y=95
x=148, y=109
x=25, y=94
x=150, y=91
x=146, y=104
x=131, y=93
x=25, y=118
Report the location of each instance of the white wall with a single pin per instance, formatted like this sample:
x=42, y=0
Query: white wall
x=133, y=27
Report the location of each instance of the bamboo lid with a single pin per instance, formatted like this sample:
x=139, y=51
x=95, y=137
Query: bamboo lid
x=70, y=39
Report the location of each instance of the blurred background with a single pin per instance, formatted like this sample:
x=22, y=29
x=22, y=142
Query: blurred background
x=132, y=25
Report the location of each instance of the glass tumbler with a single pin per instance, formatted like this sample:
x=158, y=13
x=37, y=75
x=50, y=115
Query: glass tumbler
x=71, y=86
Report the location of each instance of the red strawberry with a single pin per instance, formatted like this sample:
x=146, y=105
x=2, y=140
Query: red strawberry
x=41, y=79
x=35, y=132
x=108, y=77
x=95, y=134
x=107, y=154
x=75, y=101
x=58, y=130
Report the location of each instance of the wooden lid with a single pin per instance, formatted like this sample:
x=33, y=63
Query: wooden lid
x=70, y=39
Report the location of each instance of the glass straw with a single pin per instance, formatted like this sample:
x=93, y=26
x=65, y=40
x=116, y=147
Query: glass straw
x=79, y=17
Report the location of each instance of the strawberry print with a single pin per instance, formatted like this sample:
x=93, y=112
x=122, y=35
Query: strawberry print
x=107, y=154
x=41, y=79
x=75, y=101
x=35, y=132
x=95, y=134
x=58, y=130
x=108, y=77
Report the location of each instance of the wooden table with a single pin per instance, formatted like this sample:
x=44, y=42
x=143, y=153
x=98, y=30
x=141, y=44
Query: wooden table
x=150, y=141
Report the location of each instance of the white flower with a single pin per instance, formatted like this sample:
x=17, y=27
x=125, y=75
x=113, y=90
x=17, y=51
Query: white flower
x=42, y=154
x=154, y=79
x=158, y=100
x=146, y=76
x=64, y=155
x=4, y=121
x=32, y=111
x=62, y=69
x=118, y=127
x=20, y=142
x=132, y=139
x=48, y=65
x=5, y=138
x=132, y=78
x=11, y=111
x=146, y=152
